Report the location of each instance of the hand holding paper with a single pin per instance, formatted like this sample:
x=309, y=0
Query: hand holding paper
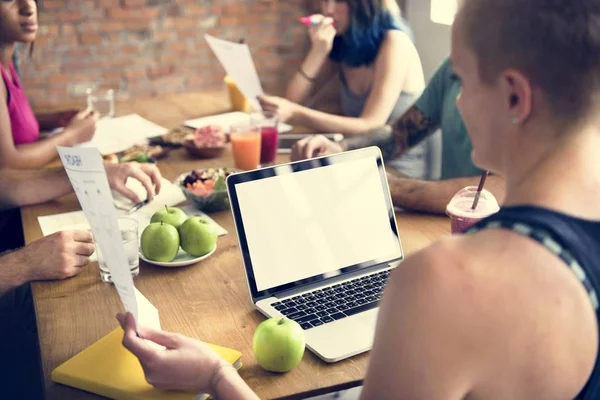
x=237, y=62
x=88, y=177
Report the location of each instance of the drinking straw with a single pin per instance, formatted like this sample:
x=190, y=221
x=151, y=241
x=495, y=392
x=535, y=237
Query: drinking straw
x=479, y=189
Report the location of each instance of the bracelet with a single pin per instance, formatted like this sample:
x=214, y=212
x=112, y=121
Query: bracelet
x=308, y=78
x=212, y=383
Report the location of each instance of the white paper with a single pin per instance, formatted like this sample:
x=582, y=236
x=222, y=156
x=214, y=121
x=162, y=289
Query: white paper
x=147, y=312
x=237, y=62
x=118, y=134
x=88, y=178
x=226, y=120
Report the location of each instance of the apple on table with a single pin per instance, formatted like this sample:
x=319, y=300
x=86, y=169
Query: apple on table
x=160, y=242
x=278, y=344
x=198, y=236
x=170, y=215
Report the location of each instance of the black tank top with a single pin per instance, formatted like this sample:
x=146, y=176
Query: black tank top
x=575, y=241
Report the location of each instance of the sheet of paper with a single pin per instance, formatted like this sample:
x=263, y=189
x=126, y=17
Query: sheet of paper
x=146, y=311
x=88, y=178
x=237, y=62
x=118, y=134
x=225, y=121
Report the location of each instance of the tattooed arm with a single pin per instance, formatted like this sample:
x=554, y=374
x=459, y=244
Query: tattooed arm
x=433, y=196
x=406, y=132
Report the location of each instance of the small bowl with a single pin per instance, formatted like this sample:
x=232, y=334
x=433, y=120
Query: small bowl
x=203, y=152
x=214, y=202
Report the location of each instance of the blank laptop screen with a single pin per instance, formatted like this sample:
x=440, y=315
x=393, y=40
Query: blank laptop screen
x=317, y=221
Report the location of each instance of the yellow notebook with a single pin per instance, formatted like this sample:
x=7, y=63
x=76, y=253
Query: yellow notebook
x=108, y=369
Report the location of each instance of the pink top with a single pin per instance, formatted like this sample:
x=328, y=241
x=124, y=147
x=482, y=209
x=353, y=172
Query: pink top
x=25, y=127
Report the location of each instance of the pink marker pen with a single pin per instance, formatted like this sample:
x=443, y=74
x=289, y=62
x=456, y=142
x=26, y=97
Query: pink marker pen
x=312, y=20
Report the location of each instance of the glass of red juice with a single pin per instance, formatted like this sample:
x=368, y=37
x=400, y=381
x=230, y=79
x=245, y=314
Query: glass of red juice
x=269, y=139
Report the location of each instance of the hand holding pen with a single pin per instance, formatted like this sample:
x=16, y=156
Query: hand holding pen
x=321, y=31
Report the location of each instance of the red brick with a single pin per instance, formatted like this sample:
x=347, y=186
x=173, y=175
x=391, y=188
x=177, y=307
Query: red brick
x=133, y=13
x=111, y=26
x=134, y=3
x=90, y=39
x=70, y=16
x=158, y=71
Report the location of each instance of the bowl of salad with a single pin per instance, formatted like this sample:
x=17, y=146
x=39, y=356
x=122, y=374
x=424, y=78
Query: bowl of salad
x=206, y=188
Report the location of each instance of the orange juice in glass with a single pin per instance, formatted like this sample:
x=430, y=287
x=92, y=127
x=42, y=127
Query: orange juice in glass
x=245, y=144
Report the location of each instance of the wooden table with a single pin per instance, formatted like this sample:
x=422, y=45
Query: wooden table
x=208, y=301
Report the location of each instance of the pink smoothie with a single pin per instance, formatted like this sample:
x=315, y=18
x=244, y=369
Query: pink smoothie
x=462, y=217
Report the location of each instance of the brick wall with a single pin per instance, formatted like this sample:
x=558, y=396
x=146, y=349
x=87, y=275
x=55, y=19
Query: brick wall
x=150, y=47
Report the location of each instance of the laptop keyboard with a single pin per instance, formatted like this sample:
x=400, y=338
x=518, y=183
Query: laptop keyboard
x=335, y=302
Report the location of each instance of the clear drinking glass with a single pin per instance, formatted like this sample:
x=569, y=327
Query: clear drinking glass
x=102, y=101
x=129, y=235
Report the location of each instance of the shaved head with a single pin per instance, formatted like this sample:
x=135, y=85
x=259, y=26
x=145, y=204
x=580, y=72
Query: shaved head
x=555, y=43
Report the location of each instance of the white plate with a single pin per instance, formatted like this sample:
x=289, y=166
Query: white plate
x=225, y=121
x=181, y=259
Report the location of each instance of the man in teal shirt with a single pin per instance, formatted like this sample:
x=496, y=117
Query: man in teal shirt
x=436, y=108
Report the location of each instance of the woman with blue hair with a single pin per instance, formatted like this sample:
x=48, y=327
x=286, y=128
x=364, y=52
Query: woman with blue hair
x=369, y=46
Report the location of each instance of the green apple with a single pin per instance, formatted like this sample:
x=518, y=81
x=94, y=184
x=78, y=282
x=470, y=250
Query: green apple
x=160, y=242
x=278, y=344
x=198, y=236
x=170, y=215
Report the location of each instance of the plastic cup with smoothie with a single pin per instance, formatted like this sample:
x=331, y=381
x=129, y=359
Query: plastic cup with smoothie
x=460, y=211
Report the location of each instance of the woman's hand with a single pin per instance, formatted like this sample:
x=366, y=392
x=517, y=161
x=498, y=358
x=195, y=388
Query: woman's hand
x=82, y=127
x=185, y=364
x=65, y=117
x=322, y=35
x=285, y=109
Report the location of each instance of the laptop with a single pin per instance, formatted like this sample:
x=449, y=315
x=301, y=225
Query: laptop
x=319, y=241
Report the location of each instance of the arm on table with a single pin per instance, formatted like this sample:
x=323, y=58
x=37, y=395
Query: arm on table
x=27, y=187
x=406, y=132
x=51, y=183
x=58, y=256
x=433, y=196
x=11, y=274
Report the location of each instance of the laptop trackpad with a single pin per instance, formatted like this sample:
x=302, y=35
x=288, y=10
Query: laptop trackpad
x=343, y=338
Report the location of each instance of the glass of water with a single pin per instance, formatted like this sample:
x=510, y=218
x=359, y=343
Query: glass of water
x=129, y=235
x=102, y=101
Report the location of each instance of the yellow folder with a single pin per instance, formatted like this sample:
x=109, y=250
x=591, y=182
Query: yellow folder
x=109, y=369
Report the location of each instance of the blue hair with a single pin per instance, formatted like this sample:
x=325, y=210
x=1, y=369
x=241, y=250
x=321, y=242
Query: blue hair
x=360, y=44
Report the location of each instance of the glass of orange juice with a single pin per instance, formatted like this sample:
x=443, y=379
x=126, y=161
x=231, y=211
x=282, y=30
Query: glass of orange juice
x=245, y=144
